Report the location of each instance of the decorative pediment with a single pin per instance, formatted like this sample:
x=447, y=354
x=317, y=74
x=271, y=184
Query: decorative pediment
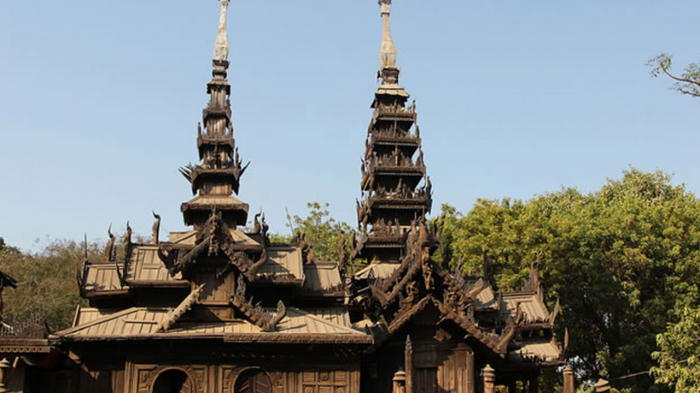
x=214, y=239
x=463, y=320
x=428, y=277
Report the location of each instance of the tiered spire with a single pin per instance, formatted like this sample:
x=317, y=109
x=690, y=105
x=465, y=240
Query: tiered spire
x=218, y=175
x=392, y=166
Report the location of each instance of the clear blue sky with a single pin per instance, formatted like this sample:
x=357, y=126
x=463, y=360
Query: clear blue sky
x=99, y=102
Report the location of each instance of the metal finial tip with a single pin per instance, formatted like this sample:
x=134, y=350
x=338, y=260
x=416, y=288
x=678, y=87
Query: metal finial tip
x=384, y=6
x=221, y=45
x=387, y=54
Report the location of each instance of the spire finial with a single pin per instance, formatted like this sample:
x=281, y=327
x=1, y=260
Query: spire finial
x=387, y=53
x=221, y=45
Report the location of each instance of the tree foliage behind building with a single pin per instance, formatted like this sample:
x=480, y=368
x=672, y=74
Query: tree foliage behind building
x=621, y=259
x=321, y=230
x=46, y=282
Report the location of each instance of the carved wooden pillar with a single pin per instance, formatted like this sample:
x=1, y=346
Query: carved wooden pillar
x=489, y=379
x=568, y=379
x=409, y=365
x=4, y=369
x=602, y=386
x=469, y=371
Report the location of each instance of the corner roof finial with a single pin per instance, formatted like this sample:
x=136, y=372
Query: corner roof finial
x=387, y=53
x=221, y=45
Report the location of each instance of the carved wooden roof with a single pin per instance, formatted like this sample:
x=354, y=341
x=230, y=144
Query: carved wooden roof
x=403, y=290
x=380, y=270
x=144, y=323
x=323, y=277
x=392, y=89
x=145, y=268
x=285, y=263
x=538, y=350
x=534, y=310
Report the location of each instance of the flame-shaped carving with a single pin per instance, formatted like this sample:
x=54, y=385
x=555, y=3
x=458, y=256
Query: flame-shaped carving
x=279, y=315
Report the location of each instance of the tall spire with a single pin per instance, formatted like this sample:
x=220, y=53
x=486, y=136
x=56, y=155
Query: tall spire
x=221, y=45
x=395, y=188
x=219, y=173
x=387, y=53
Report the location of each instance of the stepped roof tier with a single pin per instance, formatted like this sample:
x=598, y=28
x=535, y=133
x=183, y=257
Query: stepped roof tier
x=217, y=280
x=393, y=167
x=221, y=168
x=413, y=306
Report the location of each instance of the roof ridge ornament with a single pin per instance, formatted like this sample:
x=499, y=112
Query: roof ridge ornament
x=221, y=45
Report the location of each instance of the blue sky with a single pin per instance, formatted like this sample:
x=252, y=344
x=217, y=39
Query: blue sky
x=99, y=102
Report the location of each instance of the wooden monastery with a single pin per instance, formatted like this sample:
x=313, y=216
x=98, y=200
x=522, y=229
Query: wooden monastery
x=218, y=309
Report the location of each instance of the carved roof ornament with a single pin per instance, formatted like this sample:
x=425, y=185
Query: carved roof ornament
x=175, y=314
x=109, y=249
x=156, y=228
x=126, y=238
x=221, y=45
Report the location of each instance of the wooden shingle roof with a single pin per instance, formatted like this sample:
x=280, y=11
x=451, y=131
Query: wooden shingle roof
x=534, y=310
x=146, y=268
x=380, y=270
x=298, y=326
x=538, y=350
x=322, y=277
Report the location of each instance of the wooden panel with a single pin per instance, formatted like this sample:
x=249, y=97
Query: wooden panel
x=330, y=381
x=453, y=369
x=215, y=290
x=118, y=381
x=95, y=382
x=425, y=380
x=253, y=381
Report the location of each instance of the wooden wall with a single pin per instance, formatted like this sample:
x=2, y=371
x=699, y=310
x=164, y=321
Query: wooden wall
x=441, y=362
x=291, y=377
x=222, y=378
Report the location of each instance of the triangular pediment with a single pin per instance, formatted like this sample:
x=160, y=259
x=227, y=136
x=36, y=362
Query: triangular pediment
x=212, y=240
x=433, y=312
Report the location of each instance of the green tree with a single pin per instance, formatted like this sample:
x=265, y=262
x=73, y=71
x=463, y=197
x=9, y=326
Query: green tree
x=679, y=353
x=46, y=281
x=322, y=231
x=620, y=259
x=686, y=83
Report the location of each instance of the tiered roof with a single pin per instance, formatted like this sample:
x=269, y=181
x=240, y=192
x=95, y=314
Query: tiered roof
x=402, y=282
x=513, y=325
x=392, y=165
x=216, y=281
x=221, y=167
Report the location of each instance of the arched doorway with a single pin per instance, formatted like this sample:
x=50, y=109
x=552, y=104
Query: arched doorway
x=173, y=381
x=253, y=380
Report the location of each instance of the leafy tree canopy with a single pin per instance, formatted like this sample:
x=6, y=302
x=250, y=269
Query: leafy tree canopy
x=321, y=230
x=46, y=282
x=620, y=259
x=679, y=353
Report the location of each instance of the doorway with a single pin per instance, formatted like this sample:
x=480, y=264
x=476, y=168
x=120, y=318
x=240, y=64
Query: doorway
x=173, y=381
